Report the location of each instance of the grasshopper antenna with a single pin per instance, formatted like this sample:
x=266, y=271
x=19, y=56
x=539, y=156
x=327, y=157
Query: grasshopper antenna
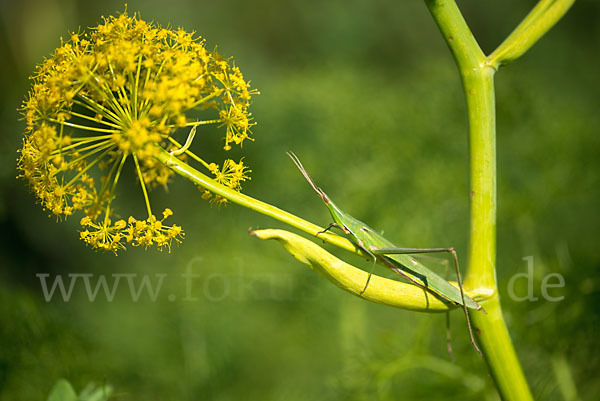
x=305, y=174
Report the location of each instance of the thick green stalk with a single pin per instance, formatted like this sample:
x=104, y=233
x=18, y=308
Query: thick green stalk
x=477, y=73
x=477, y=78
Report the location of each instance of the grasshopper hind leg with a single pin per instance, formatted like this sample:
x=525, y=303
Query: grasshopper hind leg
x=371, y=254
x=369, y=277
x=452, y=252
x=464, y=305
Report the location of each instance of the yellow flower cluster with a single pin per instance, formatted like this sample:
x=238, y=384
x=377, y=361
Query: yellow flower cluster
x=56, y=195
x=115, y=97
x=112, y=237
x=231, y=175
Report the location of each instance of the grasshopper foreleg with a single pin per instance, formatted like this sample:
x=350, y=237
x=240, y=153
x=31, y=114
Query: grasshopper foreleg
x=328, y=228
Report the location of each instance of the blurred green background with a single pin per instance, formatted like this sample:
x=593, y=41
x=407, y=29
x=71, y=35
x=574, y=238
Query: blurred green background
x=366, y=93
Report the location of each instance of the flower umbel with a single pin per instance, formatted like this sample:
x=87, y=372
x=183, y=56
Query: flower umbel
x=108, y=100
x=152, y=231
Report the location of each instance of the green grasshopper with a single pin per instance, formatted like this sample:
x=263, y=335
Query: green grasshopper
x=395, y=258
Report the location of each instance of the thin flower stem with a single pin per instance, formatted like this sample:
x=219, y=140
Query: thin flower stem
x=108, y=96
x=94, y=119
x=143, y=104
x=114, y=185
x=103, y=144
x=91, y=105
x=89, y=138
x=83, y=127
x=136, y=88
x=79, y=143
x=97, y=148
x=87, y=167
x=108, y=179
x=204, y=99
x=61, y=133
x=123, y=99
x=146, y=103
x=203, y=122
x=141, y=177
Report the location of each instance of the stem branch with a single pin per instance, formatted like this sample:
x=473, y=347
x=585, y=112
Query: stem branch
x=539, y=21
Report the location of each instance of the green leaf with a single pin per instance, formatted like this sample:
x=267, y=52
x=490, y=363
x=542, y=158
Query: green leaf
x=94, y=393
x=62, y=391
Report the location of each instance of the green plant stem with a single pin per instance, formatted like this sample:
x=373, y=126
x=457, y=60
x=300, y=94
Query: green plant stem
x=211, y=185
x=541, y=18
x=477, y=78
